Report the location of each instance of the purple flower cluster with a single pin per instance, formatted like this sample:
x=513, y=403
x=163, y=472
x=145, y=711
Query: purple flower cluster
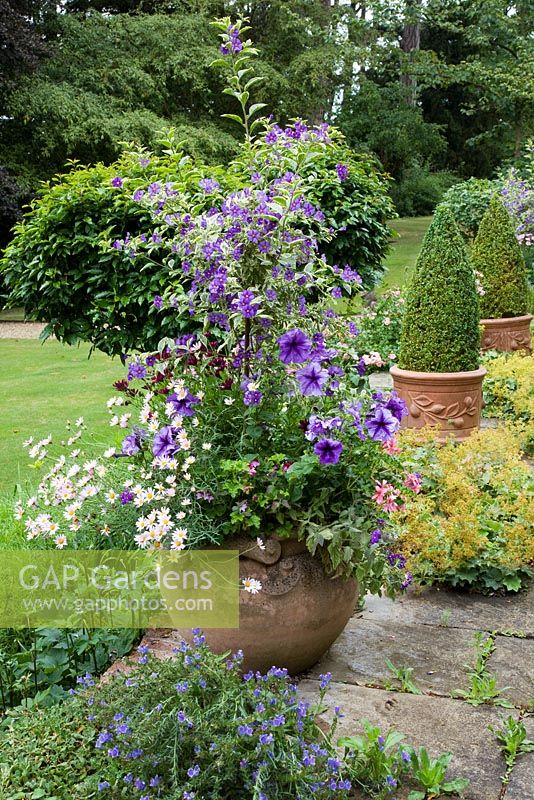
x=232, y=43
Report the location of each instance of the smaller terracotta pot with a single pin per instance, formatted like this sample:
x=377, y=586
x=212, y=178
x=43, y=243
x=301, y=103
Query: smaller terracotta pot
x=451, y=401
x=507, y=334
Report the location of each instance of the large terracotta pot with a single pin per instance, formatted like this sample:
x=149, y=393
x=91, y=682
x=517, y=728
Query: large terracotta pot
x=507, y=334
x=298, y=614
x=451, y=401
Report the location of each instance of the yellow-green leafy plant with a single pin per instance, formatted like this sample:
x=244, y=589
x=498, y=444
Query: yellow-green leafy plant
x=509, y=393
x=471, y=524
x=497, y=256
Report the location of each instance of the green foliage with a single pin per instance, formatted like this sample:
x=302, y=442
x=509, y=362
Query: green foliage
x=468, y=202
x=440, y=327
x=357, y=208
x=431, y=775
x=509, y=393
x=497, y=256
x=38, y=666
x=420, y=190
x=512, y=736
x=482, y=683
x=471, y=525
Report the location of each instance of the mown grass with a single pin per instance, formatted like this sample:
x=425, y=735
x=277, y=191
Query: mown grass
x=405, y=248
x=41, y=387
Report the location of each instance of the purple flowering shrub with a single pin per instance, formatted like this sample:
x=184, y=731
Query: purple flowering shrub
x=517, y=194
x=347, y=187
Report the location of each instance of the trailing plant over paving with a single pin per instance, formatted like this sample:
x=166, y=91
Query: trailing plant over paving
x=192, y=727
x=440, y=330
x=497, y=257
x=471, y=523
x=509, y=393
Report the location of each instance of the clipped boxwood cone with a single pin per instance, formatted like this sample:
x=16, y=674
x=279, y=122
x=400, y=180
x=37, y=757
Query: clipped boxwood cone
x=504, y=305
x=438, y=375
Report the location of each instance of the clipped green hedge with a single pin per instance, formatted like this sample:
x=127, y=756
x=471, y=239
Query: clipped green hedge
x=497, y=256
x=440, y=331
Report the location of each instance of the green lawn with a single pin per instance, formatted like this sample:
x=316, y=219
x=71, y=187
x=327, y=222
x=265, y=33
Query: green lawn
x=405, y=249
x=41, y=387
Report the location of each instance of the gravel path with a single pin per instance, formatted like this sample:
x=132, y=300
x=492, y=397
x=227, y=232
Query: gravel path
x=21, y=330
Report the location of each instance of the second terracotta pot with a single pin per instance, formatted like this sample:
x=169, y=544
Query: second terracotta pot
x=506, y=334
x=451, y=401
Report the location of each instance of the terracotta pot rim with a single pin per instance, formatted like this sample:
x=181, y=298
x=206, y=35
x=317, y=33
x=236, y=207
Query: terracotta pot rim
x=437, y=377
x=505, y=321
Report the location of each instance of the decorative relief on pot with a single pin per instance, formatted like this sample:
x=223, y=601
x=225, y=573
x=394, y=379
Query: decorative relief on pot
x=505, y=341
x=507, y=334
x=423, y=405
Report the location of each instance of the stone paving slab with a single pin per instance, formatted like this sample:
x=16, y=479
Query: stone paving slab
x=522, y=780
x=437, y=655
x=439, y=724
x=511, y=613
x=513, y=663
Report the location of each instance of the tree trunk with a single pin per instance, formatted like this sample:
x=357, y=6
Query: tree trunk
x=409, y=43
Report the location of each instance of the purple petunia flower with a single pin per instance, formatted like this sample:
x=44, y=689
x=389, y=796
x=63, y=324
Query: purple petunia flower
x=117, y=182
x=183, y=405
x=136, y=370
x=337, y=292
x=328, y=450
x=382, y=425
x=131, y=444
x=164, y=443
x=158, y=301
x=312, y=379
x=396, y=406
x=252, y=397
x=295, y=347
x=138, y=195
